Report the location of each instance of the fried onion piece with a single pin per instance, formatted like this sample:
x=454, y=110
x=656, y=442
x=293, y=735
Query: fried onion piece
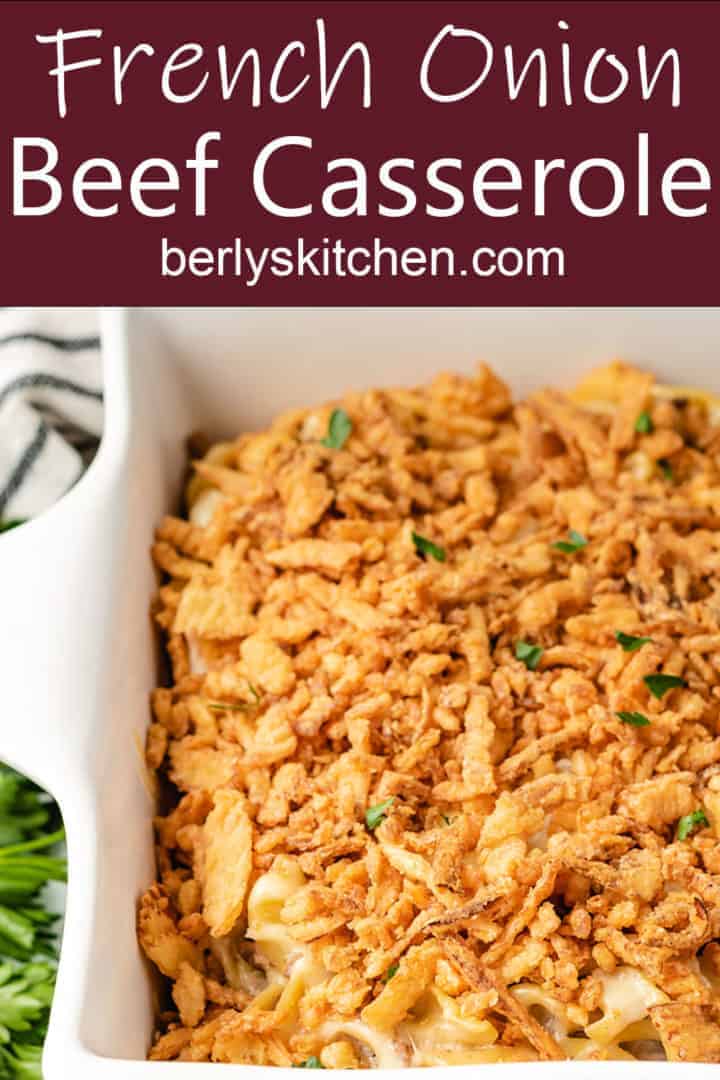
x=167, y=1047
x=160, y=937
x=228, y=840
x=539, y=892
x=189, y=995
x=444, y=679
x=406, y=986
x=688, y=1032
x=484, y=979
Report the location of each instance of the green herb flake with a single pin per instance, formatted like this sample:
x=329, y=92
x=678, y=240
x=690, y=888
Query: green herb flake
x=392, y=970
x=255, y=693
x=660, y=684
x=375, y=815
x=644, y=424
x=666, y=469
x=574, y=542
x=529, y=654
x=635, y=719
x=629, y=642
x=310, y=1063
x=227, y=706
x=423, y=546
x=690, y=823
x=6, y=526
x=339, y=429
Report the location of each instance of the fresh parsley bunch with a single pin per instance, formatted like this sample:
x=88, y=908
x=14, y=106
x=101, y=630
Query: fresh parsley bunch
x=29, y=829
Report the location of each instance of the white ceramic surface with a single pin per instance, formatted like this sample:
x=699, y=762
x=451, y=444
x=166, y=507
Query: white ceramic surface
x=78, y=651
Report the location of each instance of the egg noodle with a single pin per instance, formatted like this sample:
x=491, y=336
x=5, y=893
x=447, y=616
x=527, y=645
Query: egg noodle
x=440, y=760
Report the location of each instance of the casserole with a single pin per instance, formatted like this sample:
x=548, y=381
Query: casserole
x=79, y=657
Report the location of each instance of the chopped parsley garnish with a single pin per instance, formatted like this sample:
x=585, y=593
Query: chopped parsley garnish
x=423, y=546
x=236, y=706
x=666, y=469
x=24, y=809
x=690, y=823
x=392, y=970
x=6, y=526
x=629, y=642
x=644, y=424
x=310, y=1063
x=574, y=542
x=228, y=706
x=28, y=938
x=339, y=429
x=529, y=654
x=635, y=719
x=375, y=815
x=25, y=994
x=660, y=684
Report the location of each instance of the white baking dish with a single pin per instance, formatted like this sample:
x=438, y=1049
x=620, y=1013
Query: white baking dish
x=78, y=650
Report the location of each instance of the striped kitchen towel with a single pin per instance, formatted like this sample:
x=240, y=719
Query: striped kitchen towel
x=50, y=405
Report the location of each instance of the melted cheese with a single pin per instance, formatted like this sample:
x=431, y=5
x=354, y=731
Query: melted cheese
x=380, y=1049
x=439, y=1034
x=627, y=996
x=436, y=1032
x=195, y=660
x=552, y=1016
x=203, y=506
x=265, y=903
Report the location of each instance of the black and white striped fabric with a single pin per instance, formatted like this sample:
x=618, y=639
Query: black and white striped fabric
x=50, y=404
